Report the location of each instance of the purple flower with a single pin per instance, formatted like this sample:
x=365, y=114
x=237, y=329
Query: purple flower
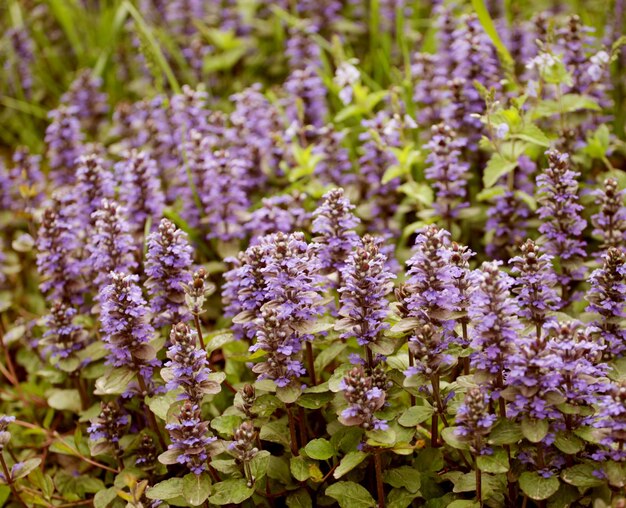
x=58, y=260
x=610, y=221
x=334, y=225
x=64, y=140
x=535, y=379
x=430, y=284
x=612, y=422
x=494, y=314
x=63, y=336
x=108, y=428
x=111, y=247
x=188, y=367
x=18, y=65
x=25, y=183
x=336, y=167
x=243, y=446
x=375, y=159
x=364, y=399
x=366, y=282
x=579, y=364
x=225, y=200
x=607, y=297
x=475, y=420
x=126, y=328
x=94, y=184
x=448, y=173
x=140, y=189
x=560, y=210
x=168, y=266
x=535, y=283
x=190, y=439
x=180, y=16
x=91, y=104
x=283, y=213
x=5, y=435
x=305, y=102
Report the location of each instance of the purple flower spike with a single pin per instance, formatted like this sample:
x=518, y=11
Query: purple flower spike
x=474, y=420
x=64, y=140
x=366, y=282
x=168, y=266
x=63, y=337
x=560, y=210
x=111, y=248
x=188, y=367
x=57, y=254
x=364, y=399
x=535, y=283
x=140, y=189
x=126, y=328
x=607, y=297
x=610, y=221
x=94, y=184
x=334, y=224
x=494, y=314
x=190, y=440
x=448, y=173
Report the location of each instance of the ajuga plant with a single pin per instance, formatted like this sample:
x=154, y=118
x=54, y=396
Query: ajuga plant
x=312, y=253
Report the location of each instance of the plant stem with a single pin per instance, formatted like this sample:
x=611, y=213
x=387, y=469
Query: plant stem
x=149, y=416
x=466, y=362
x=196, y=320
x=78, y=382
x=479, y=492
x=292, y=431
x=9, y=478
x=302, y=420
x=379, y=480
x=311, y=363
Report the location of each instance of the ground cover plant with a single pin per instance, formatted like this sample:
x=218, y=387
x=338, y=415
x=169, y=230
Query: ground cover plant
x=312, y=253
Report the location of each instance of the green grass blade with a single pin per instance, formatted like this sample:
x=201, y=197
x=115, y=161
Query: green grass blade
x=154, y=46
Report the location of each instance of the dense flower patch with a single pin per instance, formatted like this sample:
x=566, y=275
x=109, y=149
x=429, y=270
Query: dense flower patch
x=312, y=253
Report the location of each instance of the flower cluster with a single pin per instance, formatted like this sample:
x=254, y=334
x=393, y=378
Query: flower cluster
x=364, y=400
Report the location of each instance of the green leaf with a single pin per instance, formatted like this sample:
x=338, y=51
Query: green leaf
x=505, y=432
x=328, y=355
x=537, y=487
x=450, y=436
x=288, y=394
x=314, y=400
x=319, y=449
x=490, y=29
x=496, y=463
x=400, y=498
x=568, y=104
x=416, y=415
x=27, y=467
x=533, y=134
x=404, y=476
x=349, y=462
x=196, y=488
x=226, y=424
x=64, y=400
x=114, y=382
x=230, y=492
x=535, y=430
x=568, y=443
x=168, y=489
x=275, y=432
x=299, y=499
x=350, y=495
x=259, y=464
x=582, y=476
x=299, y=467
x=429, y=460
x=496, y=168
x=160, y=404
x=104, y=498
